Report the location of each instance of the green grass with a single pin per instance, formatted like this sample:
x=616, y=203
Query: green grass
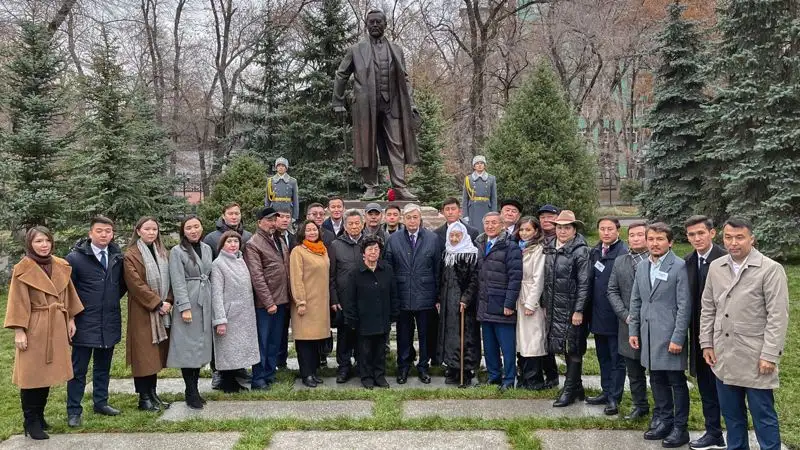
x=387, y=411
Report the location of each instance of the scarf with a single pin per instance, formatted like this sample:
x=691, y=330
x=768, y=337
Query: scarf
x=637, y=257
x=464, y=250
x=157, y=272
x=45, y=262
x=318, y=248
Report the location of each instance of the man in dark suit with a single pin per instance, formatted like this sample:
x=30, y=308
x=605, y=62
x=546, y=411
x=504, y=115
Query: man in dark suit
x=335, y=223
x=284, y=238
x=451, y=210
x=700, y=232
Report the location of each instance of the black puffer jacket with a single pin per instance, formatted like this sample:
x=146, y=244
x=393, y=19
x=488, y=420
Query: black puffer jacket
x=499, y=279
x=566, y=291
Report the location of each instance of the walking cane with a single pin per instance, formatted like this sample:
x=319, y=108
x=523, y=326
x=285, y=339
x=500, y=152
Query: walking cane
x=462, y=348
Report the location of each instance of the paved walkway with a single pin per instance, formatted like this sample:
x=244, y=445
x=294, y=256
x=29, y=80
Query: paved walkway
x=607, y=439
x=314, y=409
x=117, y=441
x=389, y=440
x=497, y=409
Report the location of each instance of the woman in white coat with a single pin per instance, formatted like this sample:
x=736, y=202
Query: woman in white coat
x=531, y=331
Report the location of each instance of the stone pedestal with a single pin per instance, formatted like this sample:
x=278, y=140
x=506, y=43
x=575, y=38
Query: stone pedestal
x=431, y=218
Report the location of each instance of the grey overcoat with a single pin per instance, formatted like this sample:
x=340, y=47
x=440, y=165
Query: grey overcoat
x=619, y=296
x=661, y=314
x=479, y=197
x=232, y=303
x=190, y=343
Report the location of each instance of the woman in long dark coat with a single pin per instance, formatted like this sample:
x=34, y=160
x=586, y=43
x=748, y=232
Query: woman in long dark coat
x=566, y=297
x=458, y=290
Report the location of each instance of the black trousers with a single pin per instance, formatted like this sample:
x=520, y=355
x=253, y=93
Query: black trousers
x=145, y=384
x=638, y=381
x=372, y=356
x=707, y=385
x=307, y=356
x=671, y=396
x=548, y=370
x=346, y=348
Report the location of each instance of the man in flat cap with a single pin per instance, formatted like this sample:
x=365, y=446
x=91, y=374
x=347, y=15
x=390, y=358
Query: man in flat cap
x=384, y=115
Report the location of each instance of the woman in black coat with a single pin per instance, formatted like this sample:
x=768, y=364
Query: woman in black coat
x=371, y=305
x=566, y=297
x=458, y=292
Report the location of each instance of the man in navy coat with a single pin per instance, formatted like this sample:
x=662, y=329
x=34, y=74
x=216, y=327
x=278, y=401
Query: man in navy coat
x=97, y=274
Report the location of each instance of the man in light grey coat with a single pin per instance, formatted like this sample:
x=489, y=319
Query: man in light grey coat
x=745, y=314
x=660, y=312
x=620, y=286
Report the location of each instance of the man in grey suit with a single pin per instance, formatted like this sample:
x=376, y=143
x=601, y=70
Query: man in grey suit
x=619, y=296
x=660, y=312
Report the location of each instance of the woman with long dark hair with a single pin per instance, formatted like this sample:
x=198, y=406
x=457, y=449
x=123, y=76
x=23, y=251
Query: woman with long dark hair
x=191, y=334
x=41, y=309
x=146, y=270
x=531, y=333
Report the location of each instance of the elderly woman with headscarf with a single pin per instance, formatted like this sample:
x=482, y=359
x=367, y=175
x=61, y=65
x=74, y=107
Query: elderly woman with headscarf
x=458, y=289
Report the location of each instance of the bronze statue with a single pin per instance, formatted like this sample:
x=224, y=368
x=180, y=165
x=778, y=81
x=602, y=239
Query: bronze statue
x=384, y=116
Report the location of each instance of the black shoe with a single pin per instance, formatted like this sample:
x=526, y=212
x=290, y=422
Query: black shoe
x=146, y=403
x=678, y=438
x=381, y=382
x=317, y=379
x=452, y=377
x=506, y=387
x=106, y=410
x=368, y=383
x=74, y=420
x=216, y=380
x=33, y=428
x=611, y=409
x=637, y=413
x=343, y=376
x=660, y=432
x=161, y=403
x=309, y=381
x=261, y=387
x=599, y=400
x=193, y=401
x=708, y=442
x=423, y=376
x=550, y=384
x=402, y=376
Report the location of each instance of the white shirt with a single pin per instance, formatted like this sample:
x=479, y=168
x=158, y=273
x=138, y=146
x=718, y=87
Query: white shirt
x=511, y=229
x=336, y=226
x=705, y=256
x=414, y=234
x=97, y=251
x=735, y=267
x=655, y=267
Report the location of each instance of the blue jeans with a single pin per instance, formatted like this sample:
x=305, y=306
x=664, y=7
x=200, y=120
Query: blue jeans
x=101, y=370
x=270, y=327
x=762, y=407
x=497, y=338
x=612, y=366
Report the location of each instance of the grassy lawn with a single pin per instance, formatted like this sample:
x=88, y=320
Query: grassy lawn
x=388, y=404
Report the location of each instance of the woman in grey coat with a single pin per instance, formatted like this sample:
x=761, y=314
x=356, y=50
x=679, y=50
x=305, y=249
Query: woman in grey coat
x=190, y=336
x=234, y=317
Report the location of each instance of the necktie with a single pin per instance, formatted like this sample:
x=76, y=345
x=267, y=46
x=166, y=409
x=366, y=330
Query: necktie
x=703, y=271
x=103, y=261
x=488, y=247
x=605, y=251
x=413, y=238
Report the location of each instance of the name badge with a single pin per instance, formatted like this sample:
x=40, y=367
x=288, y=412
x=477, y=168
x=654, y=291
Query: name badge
x=661, y=275
x=599, y=266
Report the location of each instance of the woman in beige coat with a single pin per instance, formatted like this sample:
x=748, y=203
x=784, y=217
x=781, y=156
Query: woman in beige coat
x=309, y=272
x=531, y=330
x=41, y=309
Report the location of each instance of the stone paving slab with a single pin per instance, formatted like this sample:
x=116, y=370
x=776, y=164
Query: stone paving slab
x=355, y=383
x=113, y=441
x=389, y=440
x=606, y=439
x=498, y=409
x=316, y=409
x=165, y=386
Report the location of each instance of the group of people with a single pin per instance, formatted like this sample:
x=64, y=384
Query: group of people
x=523, y=290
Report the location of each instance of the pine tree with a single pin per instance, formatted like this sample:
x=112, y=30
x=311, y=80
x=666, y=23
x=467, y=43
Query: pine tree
x=753, y=120
x=315, y=141
x=120, y=170
x=262, y=100
x=244, y=182
x=429, y=180
x=537, y=154
x=674, y=175
x=32, y=190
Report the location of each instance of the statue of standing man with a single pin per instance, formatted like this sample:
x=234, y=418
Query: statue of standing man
x=384, y=115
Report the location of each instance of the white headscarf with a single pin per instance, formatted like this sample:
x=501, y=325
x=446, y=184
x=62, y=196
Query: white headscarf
x=464, y=249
